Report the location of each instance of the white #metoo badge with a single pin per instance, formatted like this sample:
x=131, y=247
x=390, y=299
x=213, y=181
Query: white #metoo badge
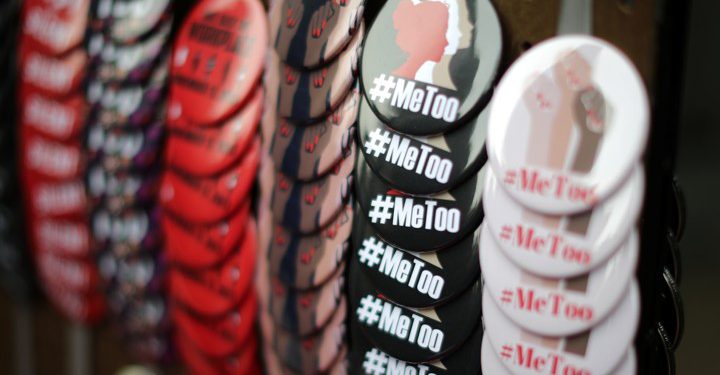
x=491, y=362
x=562, y=246
x=569, y=121
x=557, y=307
x=593, y=352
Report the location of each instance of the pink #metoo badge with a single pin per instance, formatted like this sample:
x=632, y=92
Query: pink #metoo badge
x=562, y=245
x=569, y=121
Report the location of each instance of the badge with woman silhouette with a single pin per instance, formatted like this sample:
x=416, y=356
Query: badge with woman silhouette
x=428, y=66
x=568, y=123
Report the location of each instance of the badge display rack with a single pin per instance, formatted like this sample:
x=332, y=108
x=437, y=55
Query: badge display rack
x=651, y=32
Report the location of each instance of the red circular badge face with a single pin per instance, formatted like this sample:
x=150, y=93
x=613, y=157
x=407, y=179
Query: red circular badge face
x=61, y=120
x=50, y=158
x=200, y=246
x=56, y=199
x=78, y=275
x=217, y=60
x=56, y=26
x=68, y=238
x=55, y=76
x=208, y=151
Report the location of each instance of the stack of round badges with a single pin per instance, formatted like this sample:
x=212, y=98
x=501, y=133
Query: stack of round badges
x=559, y=248
x=15, y=266
x=128, y=52
x=306, y=183
x=427, y=73
x=52, y=65
x=212, y=155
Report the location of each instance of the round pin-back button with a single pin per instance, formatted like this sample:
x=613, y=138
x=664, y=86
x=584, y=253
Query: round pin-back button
x=50, y=158
x=307, y=34
x=657, y=350
x=557, y=306
x=306, y=207
x=243, y=362
x=304, y=97
x=57, y=199
x=672, y=314
x=78, y=275
x=119, y=191
x=422, y=165
x=596, y=351
x=302, y=313
x=132, y=19
x=55, y=28
x=216, y=290
x=678, y=211
x=208, y=151
x=560, y=246
x=209, y=200
x=491, y=363
x=306, y=262
x=129, y=232
x=201, y=246
x=134, y=276
x=411, y=279
x=554, y=127
x=147, y=315
x=428, y=67
x=61, y=120
x=308, y=152
x=413, y=335
x=67, y=238
x=223, y=336
x=85, y=308
x=52, y=76
x=366, y=358
x=119, y=149
x=420, y=223
x=671, y=257
x=217, y=60
x=308, y=355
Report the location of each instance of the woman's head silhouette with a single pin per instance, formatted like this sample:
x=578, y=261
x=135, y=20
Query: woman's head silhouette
x=421, y=33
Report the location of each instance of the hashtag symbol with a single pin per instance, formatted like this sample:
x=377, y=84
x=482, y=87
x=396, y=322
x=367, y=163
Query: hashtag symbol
x=380, y=209
x=507, y=295
x=506, y=233
x=377, y=142
x=381, y=88
x=375, y=361
x=510, y=177
x=369, y=310
x=371, y=251
x=506, y=352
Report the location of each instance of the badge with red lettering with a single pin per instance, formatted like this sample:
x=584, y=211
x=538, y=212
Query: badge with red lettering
x=422, y=165
x=413, y=335
x=128, y=232
x=562, y=246
x=672, y=314
x=62, y=120
x=491, y=363
x=368, y=359
x=55, y=27
x=306, y=207
x=596, y=351
x=222, y=336
x=306, y=262
x=308, y=355
x=52, y=76
x=305, y=97
x=66, y=238
x=559, y=117
x=307, y=34
x=217, y=60
x=557, y=306
x=214, y=291
x=429, y=66
x=193, y=246
x=132, y=19
x=127, y=149
x=209, y=200
x=421, y=223
x=242, y=362
x=303, y=313
x=205, y=151
x=415, y=279
x=309, y=152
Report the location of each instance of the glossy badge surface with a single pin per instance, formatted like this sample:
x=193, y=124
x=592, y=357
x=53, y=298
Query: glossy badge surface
x=428, y=66
x=568, y=123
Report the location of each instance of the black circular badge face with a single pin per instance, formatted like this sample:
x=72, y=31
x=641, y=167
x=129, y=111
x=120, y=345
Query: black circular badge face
x=422, y=165
x=427, y=66
x=415, y=279
x=672, y=314
x=413, y=335
x=420, y=223
x=368, y=359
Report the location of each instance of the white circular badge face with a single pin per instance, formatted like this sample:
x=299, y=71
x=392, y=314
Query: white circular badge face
x=568, y=122
x=557, y=245
x=551, y=306
x=593, y=352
